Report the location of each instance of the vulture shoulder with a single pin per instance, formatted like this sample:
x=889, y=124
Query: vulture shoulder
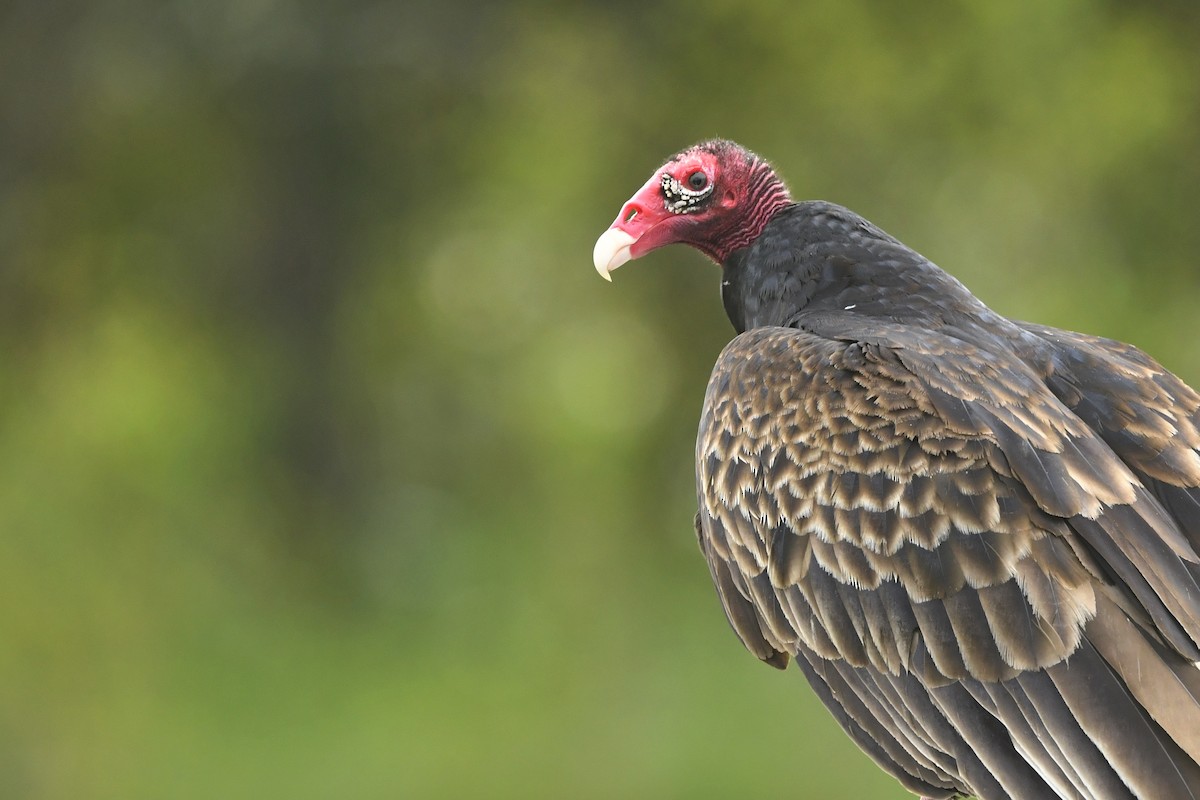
x=929, y=527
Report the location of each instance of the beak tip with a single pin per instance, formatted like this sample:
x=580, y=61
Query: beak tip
x=611, y=251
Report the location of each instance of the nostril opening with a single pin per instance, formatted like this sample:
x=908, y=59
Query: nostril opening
x=631, y=212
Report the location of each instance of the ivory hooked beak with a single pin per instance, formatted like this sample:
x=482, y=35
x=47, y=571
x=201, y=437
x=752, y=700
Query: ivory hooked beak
x=611, y=251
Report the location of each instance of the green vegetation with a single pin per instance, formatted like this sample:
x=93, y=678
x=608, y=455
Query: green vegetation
x=328, y=465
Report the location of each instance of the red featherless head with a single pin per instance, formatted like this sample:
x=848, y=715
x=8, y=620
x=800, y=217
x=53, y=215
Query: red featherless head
x=716, y=197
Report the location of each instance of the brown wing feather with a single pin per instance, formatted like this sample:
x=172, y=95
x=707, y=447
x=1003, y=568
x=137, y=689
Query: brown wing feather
x=928, y=514
x=1145, y=414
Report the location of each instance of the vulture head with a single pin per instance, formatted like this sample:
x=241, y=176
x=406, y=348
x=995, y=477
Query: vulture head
x=716, y=196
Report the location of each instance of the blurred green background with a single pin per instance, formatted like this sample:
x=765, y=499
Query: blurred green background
x=328, y=465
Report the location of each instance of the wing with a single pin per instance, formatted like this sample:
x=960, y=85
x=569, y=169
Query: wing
x=1149, y=417
x=988, y=599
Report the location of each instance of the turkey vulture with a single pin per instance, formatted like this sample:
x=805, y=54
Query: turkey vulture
x=977, y=538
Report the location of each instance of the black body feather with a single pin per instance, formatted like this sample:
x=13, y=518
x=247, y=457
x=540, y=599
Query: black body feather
x=976, y=537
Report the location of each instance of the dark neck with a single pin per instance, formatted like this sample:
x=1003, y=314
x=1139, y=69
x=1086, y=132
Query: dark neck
x=816, y=256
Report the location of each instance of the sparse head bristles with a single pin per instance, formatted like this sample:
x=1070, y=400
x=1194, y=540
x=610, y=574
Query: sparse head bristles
x=724, y=148
x=731, y=154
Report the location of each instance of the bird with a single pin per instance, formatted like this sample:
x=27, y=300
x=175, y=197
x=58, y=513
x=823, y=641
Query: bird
x=977, y=538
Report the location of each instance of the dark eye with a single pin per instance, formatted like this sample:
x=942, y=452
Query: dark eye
x=697, y=180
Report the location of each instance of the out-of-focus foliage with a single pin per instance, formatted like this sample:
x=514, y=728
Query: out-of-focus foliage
x=328, y=466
